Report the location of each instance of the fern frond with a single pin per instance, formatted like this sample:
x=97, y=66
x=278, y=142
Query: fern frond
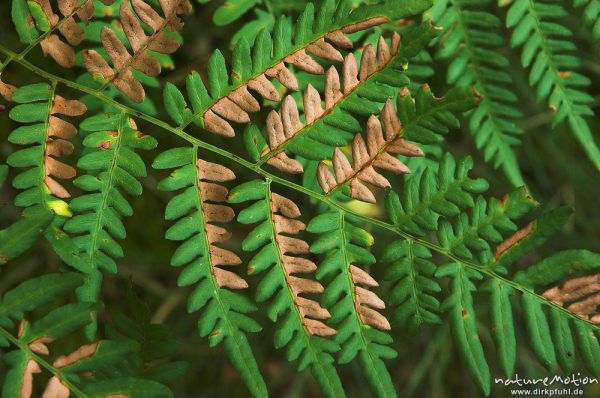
x=414, y=290
x=122, y=76
x=36, y=22
x=357, y=94
x=471, y=41
x=482, y=236
x=547, y=50
x=591, y=15
x=200, y=208
x=48, y=139
x=271, y=57
x=421, y=120
x=33, y=343
x=22, y=234
x=490, y=221
x=459, y=305
x=428, y=198
x=361, y=329
x=156, y=343
x=578, y=295
x=302, y=329
x=377, y=154
x=551, y=340
x=112, y=166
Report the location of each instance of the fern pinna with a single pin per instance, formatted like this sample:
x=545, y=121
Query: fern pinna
x=307, y=179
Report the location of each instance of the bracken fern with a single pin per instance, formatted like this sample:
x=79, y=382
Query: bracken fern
x=350, y=216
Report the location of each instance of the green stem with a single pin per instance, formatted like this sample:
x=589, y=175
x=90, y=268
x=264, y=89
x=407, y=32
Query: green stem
x=40, y=361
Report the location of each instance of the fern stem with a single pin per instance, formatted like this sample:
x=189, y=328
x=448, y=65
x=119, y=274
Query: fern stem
x=410, y=254
x=271, y=177
x=42, y=185
x=56, y=372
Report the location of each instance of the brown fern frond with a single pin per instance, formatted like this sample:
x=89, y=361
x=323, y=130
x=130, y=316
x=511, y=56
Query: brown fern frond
x=367, y=302
x=141, y=60
x=285, y=214
x=237, y=105
x=213, y=197
x=53, y=45
x=581, y=296
x=375, y=153
x=57, y=144
x=285, y=124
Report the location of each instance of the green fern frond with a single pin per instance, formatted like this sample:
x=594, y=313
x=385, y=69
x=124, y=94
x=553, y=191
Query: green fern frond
x=452, y=253
x=361, y=329
x=482, y=236
x=47, y=140
x=112, y=166
x=430, y=197
x=473, y=237
x=591, y=15
x=472, y=42
x=459, y=305
x=33, y=343
x=199, y=208
x=22, y=234
x=301, y=325
x=155, y=341
x=548, y=51
x=413, y=295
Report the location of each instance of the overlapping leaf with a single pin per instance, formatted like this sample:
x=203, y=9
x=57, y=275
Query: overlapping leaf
x=36, y=22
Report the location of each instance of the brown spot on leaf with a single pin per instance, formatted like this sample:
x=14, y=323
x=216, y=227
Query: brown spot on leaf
x=514, y=239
